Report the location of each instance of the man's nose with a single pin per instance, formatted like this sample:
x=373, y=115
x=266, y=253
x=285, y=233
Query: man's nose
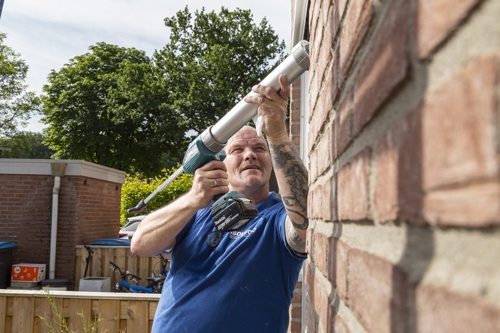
x=249, y=154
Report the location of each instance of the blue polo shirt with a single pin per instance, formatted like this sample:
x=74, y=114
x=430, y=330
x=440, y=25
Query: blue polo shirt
x=243, y=285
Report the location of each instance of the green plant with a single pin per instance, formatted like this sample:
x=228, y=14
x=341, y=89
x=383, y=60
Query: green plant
x=136, y=189
x=89, y=326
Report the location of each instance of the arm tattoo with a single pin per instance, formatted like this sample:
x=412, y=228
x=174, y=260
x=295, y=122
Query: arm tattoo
x=293, y=239
x=285, y=159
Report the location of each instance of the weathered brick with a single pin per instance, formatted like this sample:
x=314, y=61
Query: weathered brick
x=384, y=67
x=295, y=327
x=341, y=268
x=313, y=158
x=436, y=20
x=398, y=171
x=354, y=30
x=329, y=209
x=324, y=308
x=339, y=325
x=325, y=103
x=458, y=126
x=353, y=187
x=441, y=310
x=377, y=293
x=324, y=161
x=322, y=250
x=342, y=125
x=315, y=206
x=472, y=205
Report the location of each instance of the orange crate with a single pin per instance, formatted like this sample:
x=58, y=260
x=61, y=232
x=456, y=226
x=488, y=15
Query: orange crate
x=24, y=272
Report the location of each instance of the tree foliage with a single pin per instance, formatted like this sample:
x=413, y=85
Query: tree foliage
x=16, y=103
x=106, y=107
x=212, y=60
x=117, y=107
x=25, y=145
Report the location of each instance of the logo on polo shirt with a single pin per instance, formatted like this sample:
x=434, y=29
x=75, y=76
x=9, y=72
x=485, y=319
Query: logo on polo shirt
x=238, y=234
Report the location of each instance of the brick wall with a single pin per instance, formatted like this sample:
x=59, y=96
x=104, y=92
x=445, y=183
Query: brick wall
x=295, y=310
x=403, y=145
x=89, y=209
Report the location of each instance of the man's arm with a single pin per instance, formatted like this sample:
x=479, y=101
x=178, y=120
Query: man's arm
x=293, y=187
x=290, y=171
x=157, y=232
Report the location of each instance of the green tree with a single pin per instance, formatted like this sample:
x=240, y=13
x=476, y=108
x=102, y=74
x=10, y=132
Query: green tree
x=16, y=103
x=117, y=107
x=106, y=107
x=212, y=60
x=25, y=145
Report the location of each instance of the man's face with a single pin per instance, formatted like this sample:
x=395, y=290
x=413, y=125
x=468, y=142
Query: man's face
x=248, y=161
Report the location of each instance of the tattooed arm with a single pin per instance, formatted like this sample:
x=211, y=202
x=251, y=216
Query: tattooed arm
x=289, y=169
x=292, y=181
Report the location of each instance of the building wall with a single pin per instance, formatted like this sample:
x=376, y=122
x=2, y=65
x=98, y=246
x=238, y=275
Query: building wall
x=403, y=145
x=89, y=209
x=296, y=308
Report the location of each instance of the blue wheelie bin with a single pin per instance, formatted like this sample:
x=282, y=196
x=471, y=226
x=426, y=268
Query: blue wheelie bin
x=6, y=252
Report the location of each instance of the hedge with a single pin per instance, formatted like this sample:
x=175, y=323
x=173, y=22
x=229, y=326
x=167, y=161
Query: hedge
x=136, y=189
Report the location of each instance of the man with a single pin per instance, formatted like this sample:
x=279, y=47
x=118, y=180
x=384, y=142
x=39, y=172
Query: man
x=242, y=281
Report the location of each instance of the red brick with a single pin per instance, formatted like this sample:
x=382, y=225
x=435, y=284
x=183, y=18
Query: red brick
x=353, y=187
x=440, y=310
x=398, y=171
x=314, y=8
x=324, y=308
x=377, y=293
x=333, y=23
x=324, y=105
x=339, y=325
x=436, y=20
x=310, y=203
x=459, y=120
x=341, y=268
x=342, y=125
x=354, y=30
x=329, y=211
x=87, y=211
x=314, y=209
x=472, y=205
x=324, y=161
x=385, y=66
x=295, y=327
x=322, y=254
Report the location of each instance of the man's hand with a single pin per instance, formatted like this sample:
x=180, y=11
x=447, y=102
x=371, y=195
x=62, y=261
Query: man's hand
x=272, y=105
x=209, y=181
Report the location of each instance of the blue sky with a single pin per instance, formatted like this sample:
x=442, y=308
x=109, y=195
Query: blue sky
x=47, y=33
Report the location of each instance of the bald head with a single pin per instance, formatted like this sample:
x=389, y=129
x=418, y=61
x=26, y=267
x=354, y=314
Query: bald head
x=246, y=132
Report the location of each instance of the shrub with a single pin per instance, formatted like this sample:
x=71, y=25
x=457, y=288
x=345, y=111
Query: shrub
x=136, y=189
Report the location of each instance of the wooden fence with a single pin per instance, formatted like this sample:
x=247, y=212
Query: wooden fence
x=23, y=310
x=120, y=255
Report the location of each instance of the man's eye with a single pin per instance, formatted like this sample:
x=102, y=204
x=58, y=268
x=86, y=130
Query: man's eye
x=236, y=151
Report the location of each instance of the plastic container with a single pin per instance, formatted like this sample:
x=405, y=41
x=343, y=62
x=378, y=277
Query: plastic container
x=95, y=283
x=55, y=284
x=6, y=253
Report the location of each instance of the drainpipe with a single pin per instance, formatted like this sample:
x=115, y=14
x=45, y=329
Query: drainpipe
x=300, y=8
x=58, y=170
